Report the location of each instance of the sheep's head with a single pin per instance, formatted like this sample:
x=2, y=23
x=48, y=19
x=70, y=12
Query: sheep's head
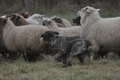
x=85, y=12
x=56, y=19
x=17, y=19
x=48, y=35
x=25, y=14
x=46, y=21
x=38, y=18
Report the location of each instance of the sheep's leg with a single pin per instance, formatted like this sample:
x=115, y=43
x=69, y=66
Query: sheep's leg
x=93, y=49
x=33, y=56
x=118, y=52
x=25, y=56
x=4, y=55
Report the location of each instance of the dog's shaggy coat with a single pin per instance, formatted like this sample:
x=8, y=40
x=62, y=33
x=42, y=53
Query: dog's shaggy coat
x=64, y=46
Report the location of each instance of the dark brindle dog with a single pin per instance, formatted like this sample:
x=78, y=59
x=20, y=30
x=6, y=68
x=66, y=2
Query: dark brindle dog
x=64, y=46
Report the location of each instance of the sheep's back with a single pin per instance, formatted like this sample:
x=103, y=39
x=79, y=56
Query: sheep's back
x=27, y=38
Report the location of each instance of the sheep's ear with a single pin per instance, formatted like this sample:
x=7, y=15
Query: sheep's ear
x=88, y=10
x=4, y=20
x=97, y=9
x=56, y=33
x=27, y=12
x=10, y=17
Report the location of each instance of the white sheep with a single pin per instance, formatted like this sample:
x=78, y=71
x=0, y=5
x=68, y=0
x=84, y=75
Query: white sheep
x=26, y=39
x=102, y=32
x=35, y=19
x=70, y=31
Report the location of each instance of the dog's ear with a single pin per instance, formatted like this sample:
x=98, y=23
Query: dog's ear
x=56, y=33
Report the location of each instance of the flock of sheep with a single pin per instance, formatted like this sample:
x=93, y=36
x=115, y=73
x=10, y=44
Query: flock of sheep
x=21, y=33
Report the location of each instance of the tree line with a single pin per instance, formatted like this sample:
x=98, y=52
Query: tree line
x=42, y=5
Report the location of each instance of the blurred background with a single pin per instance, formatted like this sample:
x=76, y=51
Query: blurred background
x=57, y=5
x=109, y=8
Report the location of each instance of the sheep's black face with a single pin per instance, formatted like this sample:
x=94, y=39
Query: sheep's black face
x=25, y=14
x=77, y=20
x=48, y=35
x=58, y=20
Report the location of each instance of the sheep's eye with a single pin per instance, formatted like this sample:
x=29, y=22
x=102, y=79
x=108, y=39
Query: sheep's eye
x=35, y=17
x=86, y=8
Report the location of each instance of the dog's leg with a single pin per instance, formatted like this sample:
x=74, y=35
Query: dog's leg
x=68, y=61
x=81, y=57
x=56, y=56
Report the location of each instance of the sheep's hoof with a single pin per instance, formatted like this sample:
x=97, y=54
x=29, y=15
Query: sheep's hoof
x=64, y=66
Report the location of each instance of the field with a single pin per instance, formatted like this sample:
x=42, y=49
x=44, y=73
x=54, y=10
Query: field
x=48, y=69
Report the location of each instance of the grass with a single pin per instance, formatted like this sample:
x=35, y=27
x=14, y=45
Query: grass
x=48, y=69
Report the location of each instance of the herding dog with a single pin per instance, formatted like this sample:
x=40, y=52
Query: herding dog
x=64, y=46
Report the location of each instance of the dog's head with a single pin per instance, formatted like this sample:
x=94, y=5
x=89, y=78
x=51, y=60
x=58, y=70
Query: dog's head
x=48, y=35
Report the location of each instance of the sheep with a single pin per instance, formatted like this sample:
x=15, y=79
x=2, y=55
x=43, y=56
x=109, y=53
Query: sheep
x=25, y=39
x=25, y=14
x=63, y=22
x=102, y=32
x=6, y=54
x=17, y=19
x=64, y=46
x=71, y=31
x=35, y=19
x=76, y=20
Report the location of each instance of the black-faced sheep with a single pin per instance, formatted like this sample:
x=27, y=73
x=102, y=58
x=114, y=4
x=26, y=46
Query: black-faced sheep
x=77, y=20
x=24, y=14
x=25, y=39
x=64, y=22
x=102, y=32
x=71, y=31
x=17, y=19
x=64, y=46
